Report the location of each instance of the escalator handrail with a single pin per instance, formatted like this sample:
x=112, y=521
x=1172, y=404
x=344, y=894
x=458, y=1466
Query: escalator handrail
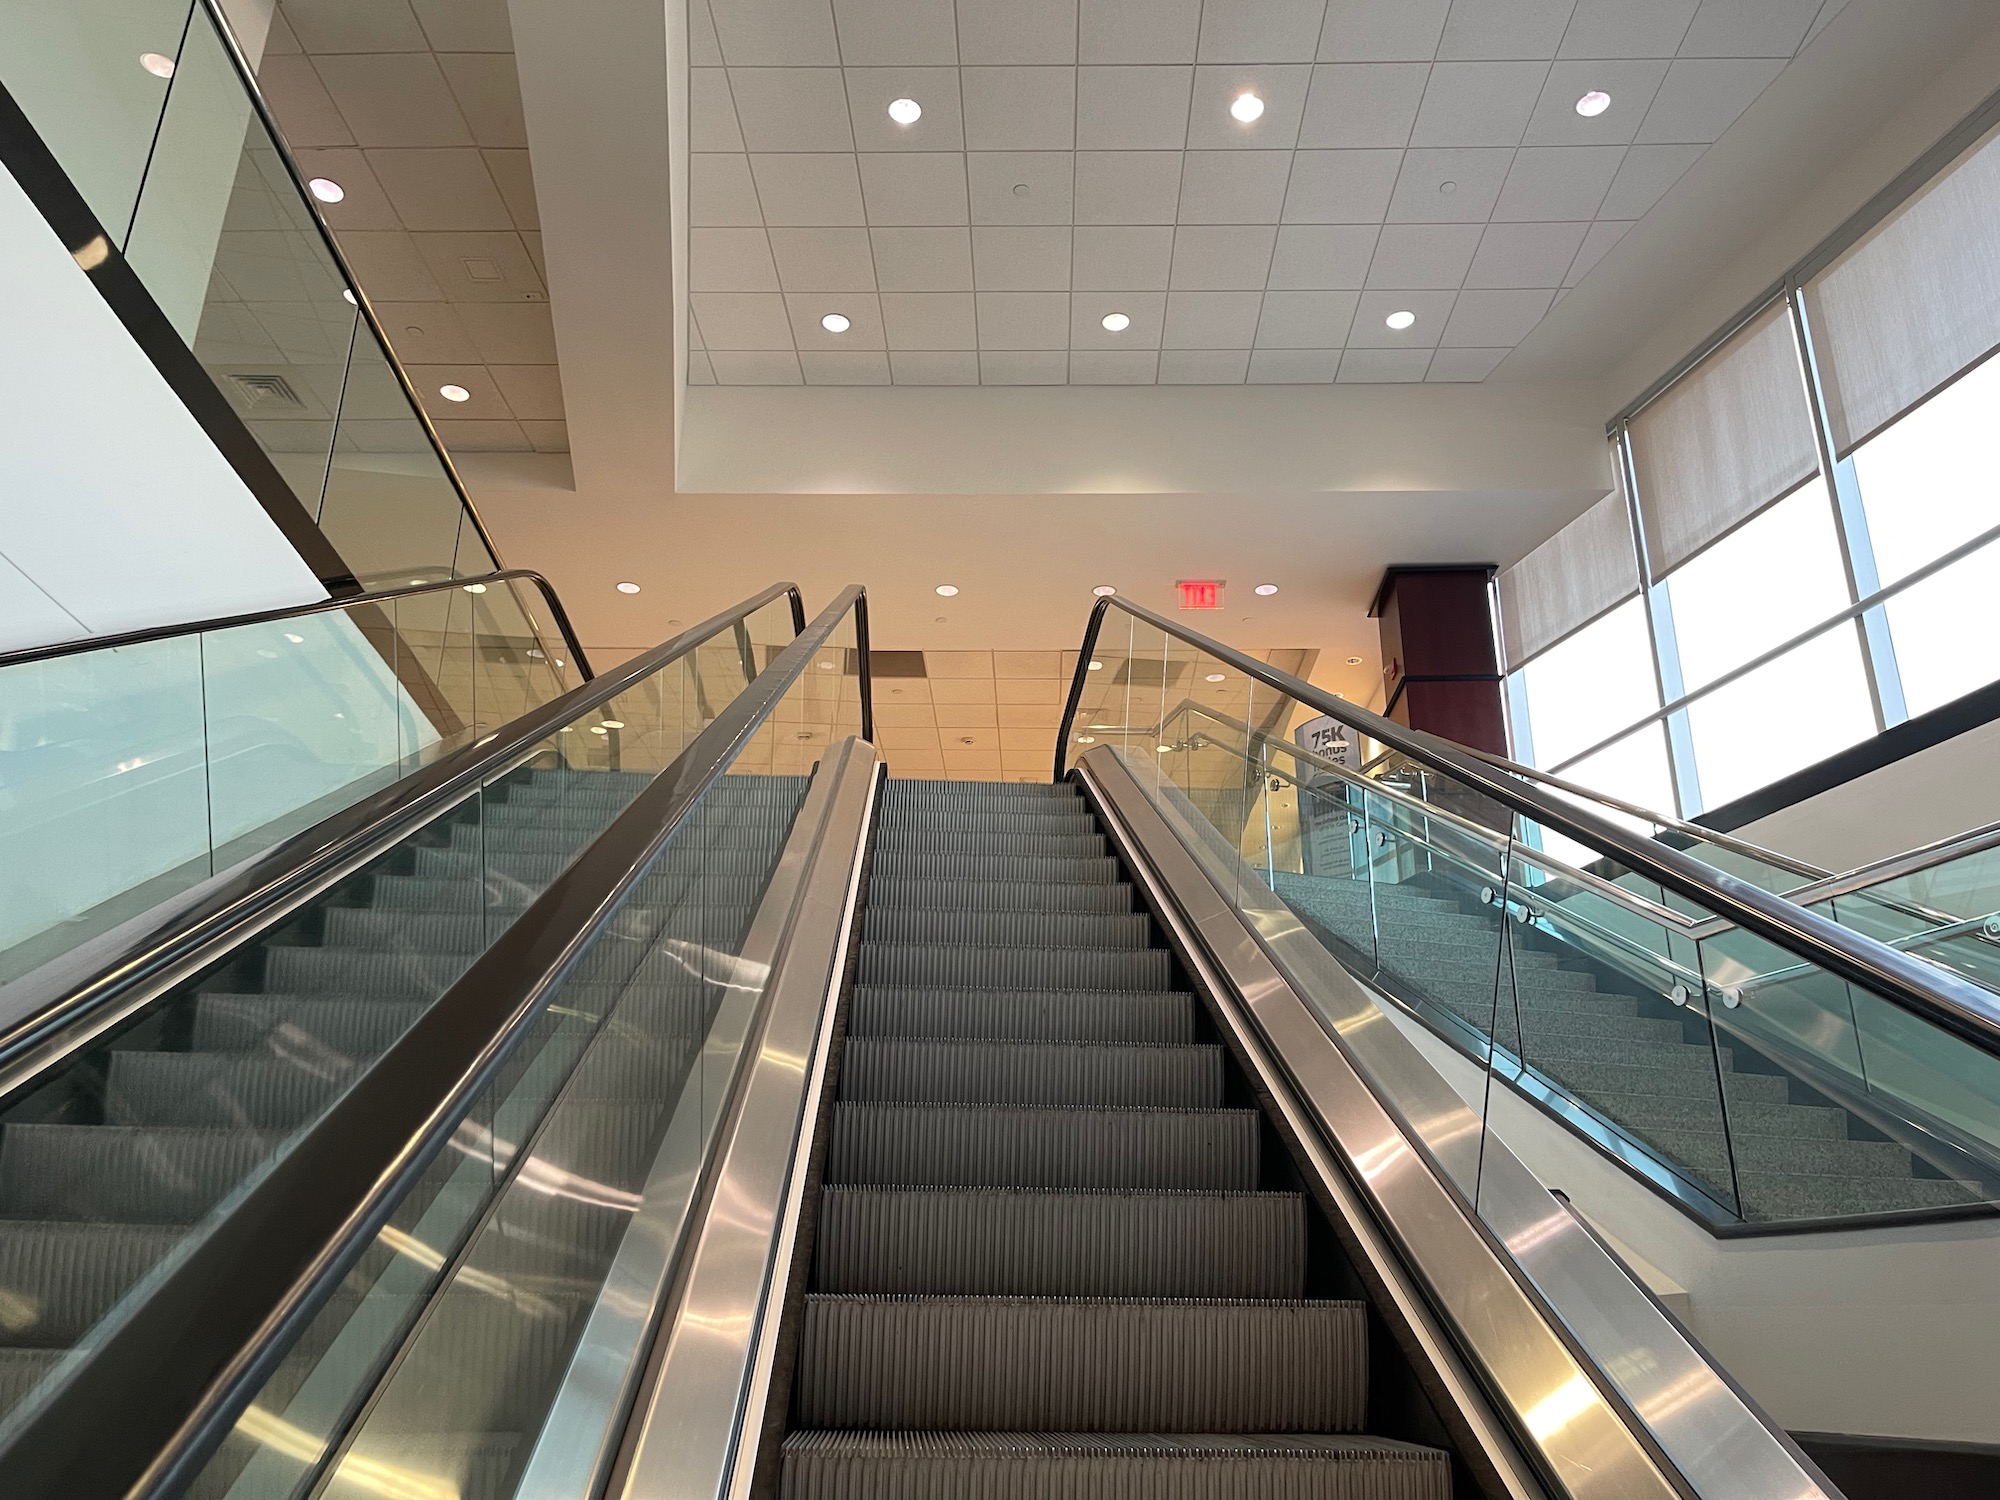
x=41, y=1011
x=1967, y=1010
x=174, y=1375
x=345, y=602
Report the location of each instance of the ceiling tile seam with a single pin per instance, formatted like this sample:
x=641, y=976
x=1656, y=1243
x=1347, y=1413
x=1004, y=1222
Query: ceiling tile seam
x=1402, y=164
x=763, y=219
x=1180, y=191
x=1075, y=141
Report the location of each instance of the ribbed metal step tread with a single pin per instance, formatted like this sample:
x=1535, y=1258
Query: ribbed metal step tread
x=1023, y=1242
x=902, y=1070
x=1107, y=1466
x=917, y=840
x=984, y=1146
x=59, y=1278
x=1068, y=1364
x=122, y=1173
x=944, y=869
x=892, y=895
x=1023, y=1015
x=1028, y=929
x=1000, y=967
x=221, y=1089
x=909, y=789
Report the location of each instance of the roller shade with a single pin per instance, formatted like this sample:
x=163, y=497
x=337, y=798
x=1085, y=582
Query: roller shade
x=1568, y=581
x=1914, y=303
x=1724, y=441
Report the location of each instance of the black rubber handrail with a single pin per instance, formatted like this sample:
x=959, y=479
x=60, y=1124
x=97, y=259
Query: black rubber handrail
x=142, y=1410
x=317, y=607
x=1966, y=1010
x=67, y=992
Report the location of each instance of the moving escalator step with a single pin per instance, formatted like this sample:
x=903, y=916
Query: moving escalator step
x=1022, y=1015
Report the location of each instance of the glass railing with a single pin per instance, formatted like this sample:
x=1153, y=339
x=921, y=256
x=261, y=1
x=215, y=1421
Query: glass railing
x=130, y=772
x=147, y=107
x=1751, y=1086
x=119, y=1161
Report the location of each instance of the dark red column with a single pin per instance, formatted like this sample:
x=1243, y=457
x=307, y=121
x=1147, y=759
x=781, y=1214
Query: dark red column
x=1438, y=663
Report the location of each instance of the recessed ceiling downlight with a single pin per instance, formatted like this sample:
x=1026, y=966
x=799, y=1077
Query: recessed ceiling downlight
x=1354, y=661
x=1246, y=107
x=905, y=111
x=1400, y=319
x=454, y=393
x=836, y=322
x=628, y=588
x=1116, y=322
x=1097, y=666
x=1267, y=589
x=1104, y=591
x=947, y=590
x=1593, y=104
x=157, y=63
x=1213, y=677
x=326, y=189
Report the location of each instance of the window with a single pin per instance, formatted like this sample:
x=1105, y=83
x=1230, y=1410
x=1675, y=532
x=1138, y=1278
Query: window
x=1635, y=769
x=1929, y=483
x=1591, y=686
x=1769, y=580
x=1944, y=630
x=1782, y=717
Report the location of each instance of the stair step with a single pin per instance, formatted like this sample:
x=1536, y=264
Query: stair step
x=910, y=865
x=886, y=895
x=1011, y=968
x=223, y=1089
x=899, y=1070
x=122, y=1173
x=58, y=1279
x=1023, y=1242
x=1026, y=929
x=914, y=790
x=344, y=1026
x=914, y=1145
x=916, y=840
x=1057, y=818
x=1069, y=1364
x=1022, y=1015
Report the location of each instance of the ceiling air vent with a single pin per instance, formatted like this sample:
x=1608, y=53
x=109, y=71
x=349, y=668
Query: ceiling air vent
x=260, y=391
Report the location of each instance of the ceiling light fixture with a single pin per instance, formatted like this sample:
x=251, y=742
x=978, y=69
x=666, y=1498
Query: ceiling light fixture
x=348, y=293
x=296, y=640
x=1247, y=107
x=905, y=111
x=475, y=588
x=326, y=189
x=628, y=588
x=836, y=322
x=1116, y=322
x=826, y=666
x=158, y=64
x=1213, y=677
x=612, y=723
x=454, y=393
x=1086, y=739
x=947, y=589
x=1104, y=591
x=1097, y=666
x=1593, y=104
x=1400, y=319
x=1354, y=661
x=1267, y=589
x=595, y=729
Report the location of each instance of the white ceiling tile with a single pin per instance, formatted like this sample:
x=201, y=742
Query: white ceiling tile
x=1504, y=28
x=1115, y=257
x=1019, y=109
x=1702, y=98
x=480, y=266
x=704, y=51
x=808, y=189
x=440, y=188
x=1234, y=187
x=791, y=109
x=481, y=437
x=1021, y=187
x=1023, y=320
x=488, y=91
x=1212, y=320
x=387, y=263
x=1305, y=320
x=1749, y=28
x=823, y=260
x=1322, y=257
x=1827, y=12
x=1596, y=245
x=366, y=205
x=304, y=109
x=1370, y=331
x=1011, y=367
x=1294, y=366
x=930, y=320
x=1627, y=28
x=890, y=33
x=1363, y=104
x=1631, y=85
x=1525, y=255
x=863, y=314
x=700, y=371
x=1478, y=103
x=1016, y=31
x=532, y=243
x=1260, y=30
x=1463, y=365
x=775, y=34
x=720, y=191
x=1087, y=311
x=394, y=99
x=1382, y=30
x=870, y=91
x=1341, y=187
x=1558, y=183
x=1383, y=366
x=464, y=25
x=510, y=333
x=1451, y=186
x=742, y=320
x=1021, y=258
x=934, y=368
x=1495, y=319
x=1137, y=31
x=1430, y=256
x=428, y=333
x=1222, y=258
x=923, y=260
x=914, y=187
x=533, y=392
x=774, y=367
x=731, y=260
x=1113, y=366
x=1282, y=87
x=1132, y=109
x=1203, y=366
x=711, y=112
x=343, y=26
x=1128, y=187
x=844, y=367
x=1643, y=179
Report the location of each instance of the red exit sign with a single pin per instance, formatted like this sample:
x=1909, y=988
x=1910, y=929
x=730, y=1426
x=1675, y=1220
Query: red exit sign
x=1200, y=593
